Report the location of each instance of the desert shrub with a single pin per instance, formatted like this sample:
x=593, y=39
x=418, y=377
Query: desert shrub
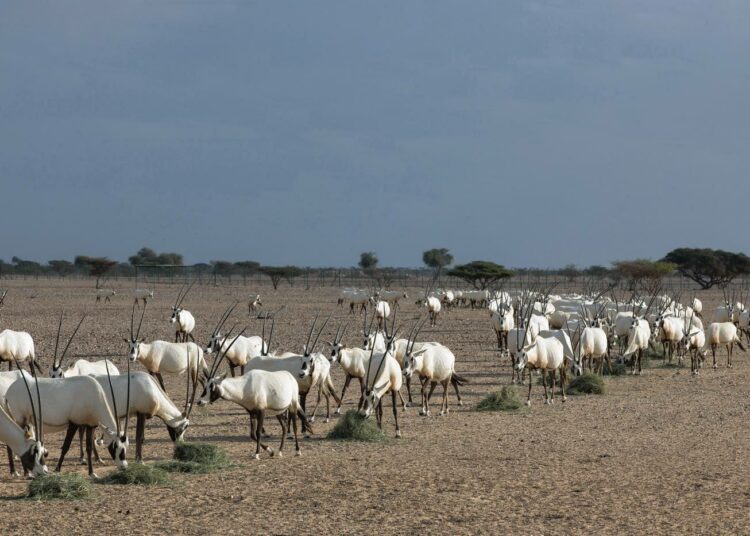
x=65, y=486
x=618, y=369
x=177, y=466
x=136, y=474
x=204, y=454
x=354, y=426
x=587, y=384
x=506, y=399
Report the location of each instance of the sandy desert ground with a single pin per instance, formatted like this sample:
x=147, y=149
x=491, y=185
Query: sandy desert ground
x=665, y=453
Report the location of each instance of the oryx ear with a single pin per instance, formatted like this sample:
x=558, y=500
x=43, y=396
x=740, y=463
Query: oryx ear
x=379, y=387
x=222, y=376
x=27, y=434
x=419, y=352
x=126, y=340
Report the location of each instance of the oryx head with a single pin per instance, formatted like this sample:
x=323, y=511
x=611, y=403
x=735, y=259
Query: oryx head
x=373, y=392
x=177, y=307
x=57, y=362
x=34, y=458
x=212, y=389
x=134, y=342
x=118, y=446
x=336, y=345
x=216, y=339
x=307, y=358
x=522, y=359
x=408, y=364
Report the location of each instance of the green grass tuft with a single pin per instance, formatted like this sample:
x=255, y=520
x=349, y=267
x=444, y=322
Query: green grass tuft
x=506, y=399
x=587, y=384
x=210, y=456
x=65, y=486
x=355, y=427
x=136, y=474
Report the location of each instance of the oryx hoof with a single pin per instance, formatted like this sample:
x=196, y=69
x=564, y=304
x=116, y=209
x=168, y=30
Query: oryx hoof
x=338, y=411
x=528, y=402
x=398, y=434
x=279, y=455
x=551, y=401
x=82, y=461
x=94, y=476
x=716, y=366
x=460, y=402
x=256, y=456
x=99, y=442
x=298, y=453
x=15, y=474
x=307, y=435
x=565, y=399
x=546, y=401
x=327, y=420
x=271, y=452
x=311, y=419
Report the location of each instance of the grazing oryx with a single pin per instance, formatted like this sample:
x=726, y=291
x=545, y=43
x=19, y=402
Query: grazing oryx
x=105, y=293
x=17, y=346
x=30, y=448
x=723, y=334
x=434, y=363
x=352, y=360
x=143, y=295
x=182, y=318
x=243, y=348
x=355, y=297
x=146, y=400
x=372, y=340
x=254, y=303
x=71, y=403
x=383, y=375
x=162, y=357
x=260, y=393
x=321, y=378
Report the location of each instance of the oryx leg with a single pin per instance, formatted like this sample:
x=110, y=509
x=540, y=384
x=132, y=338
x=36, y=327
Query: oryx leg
x=544, y=382
x=66, y=444
x=140, y=435
x=297, y=452
x=81, y=433
x=283, y=422
x=553, y=373
x=528, y=398
x=730, y=347
x=427, y=398
x=259, y=414
x=361, y=393
x=343, y=392
x=380, y=413
x=231, y=368
x=161, y=381
x=11, y=463
x=713, y=352
x=89, y=449
x=444, y=404
x=395, y=413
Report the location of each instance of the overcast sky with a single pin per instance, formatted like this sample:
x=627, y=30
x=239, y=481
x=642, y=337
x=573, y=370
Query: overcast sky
x=534, y=133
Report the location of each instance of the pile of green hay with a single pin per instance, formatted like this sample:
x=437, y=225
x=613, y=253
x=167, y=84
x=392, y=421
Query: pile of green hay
x=65, y=486
x=587, y=384
x=197, y=458
x=506, y=399
x=137, y=474
x=354, y=426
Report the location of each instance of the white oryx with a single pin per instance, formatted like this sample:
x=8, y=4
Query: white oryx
x=143, y=295
x=383, y=375
x=260, y=393
x=17, y=346
x=433, y=309
x=382, y=312
x=29, y=448
x=502, y=322
x=355, y=297
x=80, y=367
x=146, y=400
x=105, y=293
x=391, y=296
x=163, y=357
x=182, y=318
x=723, y=334
x=545, y=354
x=243, y=349
x=434, y=363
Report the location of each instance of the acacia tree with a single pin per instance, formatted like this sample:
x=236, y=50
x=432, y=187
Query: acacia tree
x=437, y=259
x=643, y=272
x=246, y=268
x=570, y=272
x=709, y=267
x=480, y=274
x=368, y=261
x=147, y=256
x=277, y=273
x=96, y=266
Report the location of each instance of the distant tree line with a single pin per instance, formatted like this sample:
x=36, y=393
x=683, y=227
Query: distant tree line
x=706, y=267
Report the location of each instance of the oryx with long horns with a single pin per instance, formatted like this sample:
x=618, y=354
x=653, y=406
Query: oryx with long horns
x=182, y=318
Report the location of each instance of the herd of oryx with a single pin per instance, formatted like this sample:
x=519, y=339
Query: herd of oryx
x=553, y=334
